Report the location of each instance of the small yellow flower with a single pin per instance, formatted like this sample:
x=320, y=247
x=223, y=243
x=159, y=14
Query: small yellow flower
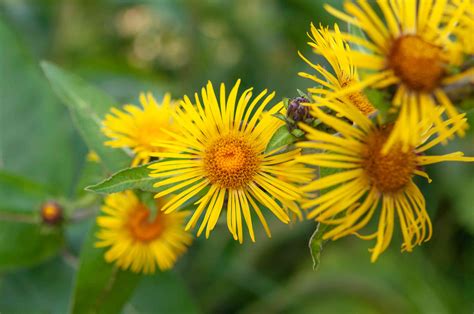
x=369, y=178
x=336, y=51
x=136, y=129
x=220, y=158
x=137, y=242
x=408, y=46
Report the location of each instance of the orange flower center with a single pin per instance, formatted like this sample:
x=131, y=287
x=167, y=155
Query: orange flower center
x=358, y=99
x=390, y=172
x=417, y=63
x=141, y=228
x=231, y=162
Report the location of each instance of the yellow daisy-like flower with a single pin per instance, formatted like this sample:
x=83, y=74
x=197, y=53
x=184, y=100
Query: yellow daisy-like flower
x=336, y=51
x=465, y=30
x=135, y=241
x=220, y=157
x=411, y=48
x=136, y=129
x=369, y=178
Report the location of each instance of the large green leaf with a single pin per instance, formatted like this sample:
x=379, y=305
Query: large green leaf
x=127, y=179
x=100, y=287
x=36, y=137
x=88, y=106
x=24, y=244
x=164, y=292
x=20, y=195
x=47, y=286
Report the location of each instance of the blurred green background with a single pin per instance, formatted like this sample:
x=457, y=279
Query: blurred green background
x=126, y=47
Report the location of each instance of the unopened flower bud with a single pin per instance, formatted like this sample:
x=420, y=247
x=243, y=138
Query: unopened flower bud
x=296, y=111
x=51, y=213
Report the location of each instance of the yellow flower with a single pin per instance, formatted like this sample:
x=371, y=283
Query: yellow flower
x=336, y=51
x=465, y=30
x=369, y=178
x=136, y=129
x=134, y=240
x=220, y=158
x=411, y=48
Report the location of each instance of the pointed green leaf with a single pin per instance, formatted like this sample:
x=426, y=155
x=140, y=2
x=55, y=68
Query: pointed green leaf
x=88, y=106
x=316, y=244
x=297, y=132
x=126, y=179
x=280, y=138
x=100, y=287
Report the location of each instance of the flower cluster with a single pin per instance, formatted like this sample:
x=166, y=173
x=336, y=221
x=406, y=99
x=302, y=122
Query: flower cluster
x=215, y=153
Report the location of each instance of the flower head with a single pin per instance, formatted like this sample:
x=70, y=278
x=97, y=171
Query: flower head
x=221, y=158
x=408, y=46
x=136, y=129
x=134, y=240
x=369, y=179
x=337, y=53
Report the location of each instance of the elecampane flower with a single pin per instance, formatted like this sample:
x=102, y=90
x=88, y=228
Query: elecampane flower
x=409, y=47
x=465, y=29
x=220, y=157
x=135, y=241
x=137, y=128
x=369, y=180
x=336, y=51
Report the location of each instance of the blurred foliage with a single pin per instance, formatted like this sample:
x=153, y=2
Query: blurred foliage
x=125, y=47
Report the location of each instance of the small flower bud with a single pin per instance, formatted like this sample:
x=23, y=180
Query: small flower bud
x=51, y=213
x=296, y=111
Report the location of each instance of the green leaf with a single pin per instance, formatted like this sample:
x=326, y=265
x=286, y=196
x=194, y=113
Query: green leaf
x=379, y=100
x=316, y=241
x=303, y=94
x=36, y=136
x=100, y=287
x=297, y=133
x=91, y=173
x=25, y=245
x=280, y=116
x=126, y=179
x=467, y=104
x=164, y=292
x=280, y=138
x=20, y=195
x=47, y=286
x=88, y=106
x=316, y=244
